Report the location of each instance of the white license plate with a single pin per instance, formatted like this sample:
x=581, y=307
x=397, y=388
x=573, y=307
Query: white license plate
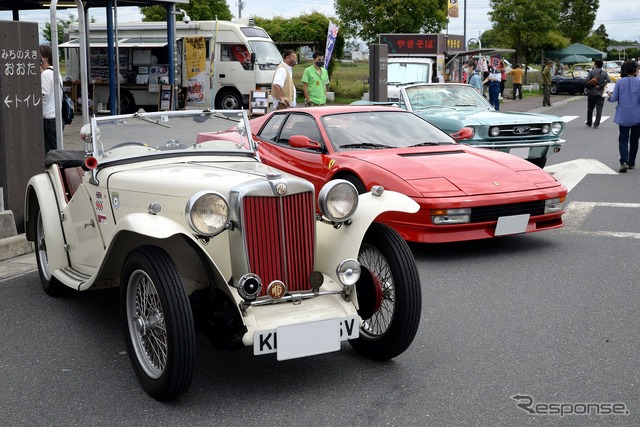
x=306, y=339
x=514, y=224
x=522, y=152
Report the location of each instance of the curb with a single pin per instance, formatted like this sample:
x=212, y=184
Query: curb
x=14, y=246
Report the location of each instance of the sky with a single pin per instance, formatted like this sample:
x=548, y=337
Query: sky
x=620, y=17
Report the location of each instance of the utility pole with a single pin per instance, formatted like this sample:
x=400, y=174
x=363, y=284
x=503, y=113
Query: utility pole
x=240, y=7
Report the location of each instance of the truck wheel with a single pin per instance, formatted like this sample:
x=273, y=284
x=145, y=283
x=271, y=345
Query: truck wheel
x=50, y=284
x=127, y=103
x=157, y=323
x=391, y=328
x=228, y=99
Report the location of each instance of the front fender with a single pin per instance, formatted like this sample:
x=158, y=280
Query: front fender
x=40, y=193
x=139, y=229
x=335, y=245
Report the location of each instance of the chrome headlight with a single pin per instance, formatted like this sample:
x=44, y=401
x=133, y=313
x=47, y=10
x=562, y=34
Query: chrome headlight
x=557, y=128
x=494, y=131
x=545, y=128
x=554, y=205
x=338, y=200
x=207, y=213
x=450, y=216
x=348, y=272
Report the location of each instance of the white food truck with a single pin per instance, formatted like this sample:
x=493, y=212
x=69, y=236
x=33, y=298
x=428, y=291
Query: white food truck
x=244, y=60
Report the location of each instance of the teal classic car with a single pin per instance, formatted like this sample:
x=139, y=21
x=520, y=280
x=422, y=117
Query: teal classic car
x=459, y=110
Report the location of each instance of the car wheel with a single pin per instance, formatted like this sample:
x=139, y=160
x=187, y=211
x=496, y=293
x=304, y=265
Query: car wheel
x=540, y=161
x=50, y=284
x=585, y=91
x=553, y=89
x=356, y=182
x=157, y=323
x=228, y=99
x=391, y=328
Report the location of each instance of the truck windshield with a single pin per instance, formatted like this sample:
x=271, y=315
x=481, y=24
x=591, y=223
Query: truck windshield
x=407, y=72
x=267, y=55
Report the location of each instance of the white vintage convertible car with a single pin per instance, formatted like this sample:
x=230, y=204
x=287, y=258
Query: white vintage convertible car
x=176, y=209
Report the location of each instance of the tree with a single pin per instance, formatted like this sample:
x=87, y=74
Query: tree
x=367, y=19
x=527, y=26
x=598, y=39
x=311, y=29
x=63, y=24
x=198, y=10
x=577, y=18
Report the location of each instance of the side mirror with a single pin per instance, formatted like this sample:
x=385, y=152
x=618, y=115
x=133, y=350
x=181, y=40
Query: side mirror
x=464, y=133
x=301, y=141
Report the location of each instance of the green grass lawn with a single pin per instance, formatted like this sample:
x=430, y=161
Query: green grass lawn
x=348, y=82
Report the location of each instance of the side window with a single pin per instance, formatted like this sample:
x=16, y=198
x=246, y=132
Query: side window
x=300, y=124
x=271, y=128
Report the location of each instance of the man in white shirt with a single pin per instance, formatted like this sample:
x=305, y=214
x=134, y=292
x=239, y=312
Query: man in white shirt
x=282, y=89
x=48, y=98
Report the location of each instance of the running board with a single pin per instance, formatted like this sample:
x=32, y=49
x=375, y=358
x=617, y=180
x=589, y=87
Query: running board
x=71, y=277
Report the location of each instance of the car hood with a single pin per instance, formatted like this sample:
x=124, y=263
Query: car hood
x=457, y=170
x=186, y=178
x=479, y=117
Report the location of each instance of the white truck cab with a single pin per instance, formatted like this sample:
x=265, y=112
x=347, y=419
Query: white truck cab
x=244, y=59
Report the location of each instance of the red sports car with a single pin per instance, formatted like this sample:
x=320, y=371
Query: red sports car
x=464, y=193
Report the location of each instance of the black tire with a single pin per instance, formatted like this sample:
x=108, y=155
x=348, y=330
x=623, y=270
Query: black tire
x=392, y=328
x=228, y=99
x=50, y=284
x=356, y=182
x=127, y=103
x=540, y=162
x=553, y=89
x=157, y=323
x=585, y=91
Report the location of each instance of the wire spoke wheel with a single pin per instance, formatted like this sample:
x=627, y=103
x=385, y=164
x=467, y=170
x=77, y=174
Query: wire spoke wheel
x=378, y=324
x=147, y=324
x=391, y=328
x=157, y=323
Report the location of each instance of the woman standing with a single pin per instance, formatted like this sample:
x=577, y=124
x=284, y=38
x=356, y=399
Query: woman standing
x=626, y=93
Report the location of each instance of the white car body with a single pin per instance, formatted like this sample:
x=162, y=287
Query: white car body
x=185, y=193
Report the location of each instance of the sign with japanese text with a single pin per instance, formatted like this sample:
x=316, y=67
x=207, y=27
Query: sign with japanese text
x=21, y=125
x=422, y=44
x=410, y=44
x=196, y=59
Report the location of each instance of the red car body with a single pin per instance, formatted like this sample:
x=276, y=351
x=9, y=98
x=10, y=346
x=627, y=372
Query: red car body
x=492, y=185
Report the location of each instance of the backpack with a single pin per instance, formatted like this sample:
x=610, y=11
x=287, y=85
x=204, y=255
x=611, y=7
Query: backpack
x=67, y=109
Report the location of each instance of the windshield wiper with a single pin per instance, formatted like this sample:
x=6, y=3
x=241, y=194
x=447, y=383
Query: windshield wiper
x=364, y=145
x=425, y=143
x=146, y=119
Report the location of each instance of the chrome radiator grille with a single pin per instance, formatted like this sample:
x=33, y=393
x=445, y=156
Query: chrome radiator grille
x=280, y=236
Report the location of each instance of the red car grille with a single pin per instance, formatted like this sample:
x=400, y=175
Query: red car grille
x=279, y=233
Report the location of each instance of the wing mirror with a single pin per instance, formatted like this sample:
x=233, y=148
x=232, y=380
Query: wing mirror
x=301, y=141
x=464, y=133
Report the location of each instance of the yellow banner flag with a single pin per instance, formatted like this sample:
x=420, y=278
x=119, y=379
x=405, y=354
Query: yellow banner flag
x=453, y=8
x=196, y=62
